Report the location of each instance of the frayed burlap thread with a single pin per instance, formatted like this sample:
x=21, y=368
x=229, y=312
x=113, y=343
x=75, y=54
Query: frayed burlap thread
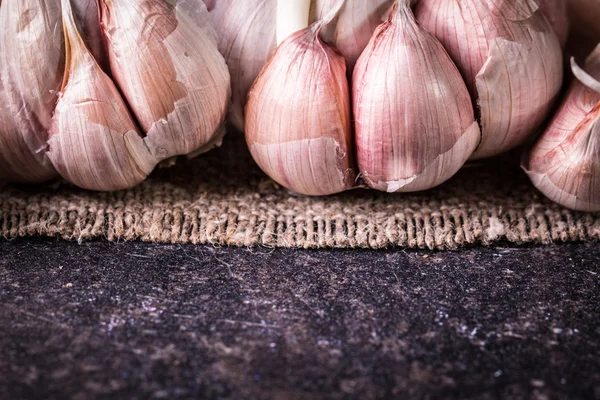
x=222, y=198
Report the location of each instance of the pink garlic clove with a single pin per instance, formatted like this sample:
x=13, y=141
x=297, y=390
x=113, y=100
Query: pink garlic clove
x=298, y=116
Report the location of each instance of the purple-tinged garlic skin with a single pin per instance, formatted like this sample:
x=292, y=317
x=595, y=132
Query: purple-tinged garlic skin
x=87, y=17
x=94, y=141
x=298, y=117
x=354, y=26
x=415, y=125
x=564, y=163
x=247, y=37
x=31, y=70
x=557, y=13
x=510, y=59
x=165, y=61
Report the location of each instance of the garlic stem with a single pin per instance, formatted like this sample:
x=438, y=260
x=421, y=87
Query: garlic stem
x=292, y=16
x=585, y=78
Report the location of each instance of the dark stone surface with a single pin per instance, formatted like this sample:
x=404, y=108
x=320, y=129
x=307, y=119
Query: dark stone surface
x=135, y=320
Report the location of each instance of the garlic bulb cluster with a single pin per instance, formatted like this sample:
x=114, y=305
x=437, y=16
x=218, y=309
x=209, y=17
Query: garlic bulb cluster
x=564, y=163
x=416, y=94
x=101, y=91
x=415, y=125
x=510, y=58
x=247, y=31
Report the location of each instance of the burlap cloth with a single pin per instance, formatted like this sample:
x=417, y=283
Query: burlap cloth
x=222, y=198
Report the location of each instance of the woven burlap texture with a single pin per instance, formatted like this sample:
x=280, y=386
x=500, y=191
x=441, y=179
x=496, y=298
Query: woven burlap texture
x=222, y=198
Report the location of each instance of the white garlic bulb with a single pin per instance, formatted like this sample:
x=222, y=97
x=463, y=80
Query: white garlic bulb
x=298, y=115
x=415, y=125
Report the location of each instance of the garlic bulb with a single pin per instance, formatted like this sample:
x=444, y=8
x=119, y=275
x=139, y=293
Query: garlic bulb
x=510, y=58
x=247, y=37
x=298, y=115
x=94, y=142
x=564, y=163
x=415, y=125
x=557, y=13
x=164, y=59
x=31, y=64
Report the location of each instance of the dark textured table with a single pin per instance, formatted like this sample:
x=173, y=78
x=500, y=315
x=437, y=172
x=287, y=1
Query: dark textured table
x=135, y=320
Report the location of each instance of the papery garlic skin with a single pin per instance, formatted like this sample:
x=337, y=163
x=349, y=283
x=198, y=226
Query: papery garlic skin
x=564, y=163
x=557, y=13
x=210, y=4
x=354, y=26
x=415, y=125
x=246, y=31
x=164, y=59
x=31, y=71
x=298, y=117
x=247, y=37
x=94, y=142
x=87, y=17
x=510, y=59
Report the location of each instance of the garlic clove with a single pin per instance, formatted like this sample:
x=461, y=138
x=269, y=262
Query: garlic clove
x=511, y=61
x=164, y=58
x=415, y=125
x=247, y=39
x=31, y=65
x=564, y=163
x=298, y=115
x=94, y=142
x=558, y=15
x=87, y=17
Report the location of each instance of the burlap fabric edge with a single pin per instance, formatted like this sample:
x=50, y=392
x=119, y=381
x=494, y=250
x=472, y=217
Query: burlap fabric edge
x=223, y=199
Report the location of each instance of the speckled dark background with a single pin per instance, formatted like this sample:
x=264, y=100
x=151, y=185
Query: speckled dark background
x=102, y=320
